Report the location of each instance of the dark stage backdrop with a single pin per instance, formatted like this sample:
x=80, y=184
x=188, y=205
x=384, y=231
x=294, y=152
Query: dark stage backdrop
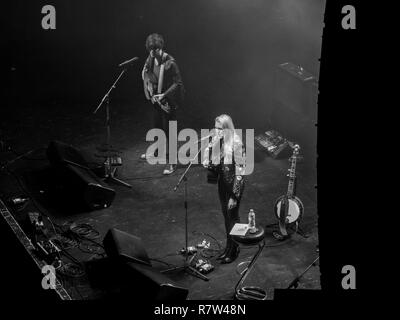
x=227, y=50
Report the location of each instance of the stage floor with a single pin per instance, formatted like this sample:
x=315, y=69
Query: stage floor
x=151, y=210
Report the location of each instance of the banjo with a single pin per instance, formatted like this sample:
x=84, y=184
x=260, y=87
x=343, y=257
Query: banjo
x=289, y=208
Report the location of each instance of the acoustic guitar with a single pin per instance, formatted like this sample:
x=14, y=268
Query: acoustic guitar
x=289, y=208
x=212, y=169
x=152, y=85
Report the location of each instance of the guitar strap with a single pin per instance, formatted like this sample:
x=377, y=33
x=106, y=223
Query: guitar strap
x=161, y=75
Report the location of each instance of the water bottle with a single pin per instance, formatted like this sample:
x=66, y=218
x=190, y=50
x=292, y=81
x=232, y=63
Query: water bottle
x=252, y=221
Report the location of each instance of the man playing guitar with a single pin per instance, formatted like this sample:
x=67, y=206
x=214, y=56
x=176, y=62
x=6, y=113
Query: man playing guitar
x=163, y=86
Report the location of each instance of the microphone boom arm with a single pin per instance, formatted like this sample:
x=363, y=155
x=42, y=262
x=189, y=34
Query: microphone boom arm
x=183, y=176
x=128, y=62
x=113, y=86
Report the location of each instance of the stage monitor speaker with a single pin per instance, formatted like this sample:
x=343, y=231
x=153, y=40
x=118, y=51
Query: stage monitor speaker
x=60, y=153
x=123, y=247
x=146, y=283
x=132, y=281
x=81, y=183
x=87, y=187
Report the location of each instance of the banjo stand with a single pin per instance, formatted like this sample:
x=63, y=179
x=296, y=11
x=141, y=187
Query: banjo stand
x=295, y=228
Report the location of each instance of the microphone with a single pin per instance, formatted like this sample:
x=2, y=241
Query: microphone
x=215, y=136
x=206, y=137
x=128, y=62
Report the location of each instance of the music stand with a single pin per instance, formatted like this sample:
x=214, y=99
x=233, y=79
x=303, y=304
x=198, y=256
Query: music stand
x=109, y=170
x=186, y=266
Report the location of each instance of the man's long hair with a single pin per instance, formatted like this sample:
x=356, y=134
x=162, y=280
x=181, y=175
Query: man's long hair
x=154, y=41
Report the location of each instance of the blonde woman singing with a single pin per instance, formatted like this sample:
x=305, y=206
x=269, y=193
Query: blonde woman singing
x=228, y=161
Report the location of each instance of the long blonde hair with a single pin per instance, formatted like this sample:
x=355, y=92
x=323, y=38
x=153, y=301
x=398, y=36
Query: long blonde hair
x=231, y=139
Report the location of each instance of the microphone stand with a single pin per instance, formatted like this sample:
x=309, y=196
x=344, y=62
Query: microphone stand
x=109, y=171
x=5, y=165
x=186, y=266
x=296, y=280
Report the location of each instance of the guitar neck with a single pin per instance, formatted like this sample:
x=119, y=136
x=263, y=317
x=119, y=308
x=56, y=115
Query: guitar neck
x=291, y=186
x=292, y=177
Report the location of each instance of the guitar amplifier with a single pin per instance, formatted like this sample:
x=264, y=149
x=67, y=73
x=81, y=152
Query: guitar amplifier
x=274, y=143
x=297, y=89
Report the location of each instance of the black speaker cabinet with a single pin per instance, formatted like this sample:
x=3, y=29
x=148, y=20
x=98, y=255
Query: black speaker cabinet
x=61, y=153
x=296, y=89
x=80, y=183
x=294, y=112
x=132, y=281
x=122, y=246
x=146, y=283
x=87, y=187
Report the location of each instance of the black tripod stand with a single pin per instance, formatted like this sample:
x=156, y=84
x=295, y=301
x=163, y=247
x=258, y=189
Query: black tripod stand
x=280, y=236
x=109, y=170
x=186, y=266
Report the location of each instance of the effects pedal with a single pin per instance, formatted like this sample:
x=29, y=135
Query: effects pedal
x=203, y=245
x=48, y=251
x=190, y=250
x=113, y=161
x=204, y=266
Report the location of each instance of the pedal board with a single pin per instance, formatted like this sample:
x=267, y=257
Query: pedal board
x=274, y=143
